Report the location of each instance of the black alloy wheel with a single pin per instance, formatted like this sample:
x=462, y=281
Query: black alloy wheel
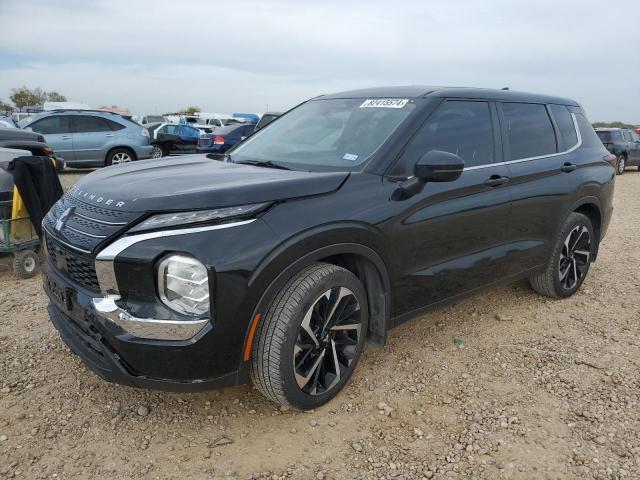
x=327, y=341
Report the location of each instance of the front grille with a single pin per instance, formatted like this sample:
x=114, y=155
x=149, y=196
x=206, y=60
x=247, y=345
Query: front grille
x=73, y=232
x=77, y=267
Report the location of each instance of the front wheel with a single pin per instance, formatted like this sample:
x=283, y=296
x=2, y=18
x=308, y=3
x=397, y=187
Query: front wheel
x=570, y=259
x=311, y=337
x=158, y=151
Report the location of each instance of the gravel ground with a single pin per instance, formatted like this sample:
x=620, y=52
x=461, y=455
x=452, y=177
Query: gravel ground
x=508, y=384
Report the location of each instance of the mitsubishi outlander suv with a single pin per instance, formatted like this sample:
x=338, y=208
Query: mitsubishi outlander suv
x=351, y=214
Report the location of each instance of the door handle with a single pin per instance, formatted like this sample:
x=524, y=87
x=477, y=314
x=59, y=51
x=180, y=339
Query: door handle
x=568, y=167
x=109, y=135
x=65, y=137
x=496, y=180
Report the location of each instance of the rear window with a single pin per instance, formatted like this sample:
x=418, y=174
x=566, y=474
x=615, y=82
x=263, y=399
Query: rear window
x=530, y=130
x=564, y=121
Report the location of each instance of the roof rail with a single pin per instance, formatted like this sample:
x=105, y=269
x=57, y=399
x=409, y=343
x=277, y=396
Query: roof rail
x=58, y=110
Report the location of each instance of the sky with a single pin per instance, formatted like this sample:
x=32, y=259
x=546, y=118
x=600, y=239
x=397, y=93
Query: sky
x=155, y=56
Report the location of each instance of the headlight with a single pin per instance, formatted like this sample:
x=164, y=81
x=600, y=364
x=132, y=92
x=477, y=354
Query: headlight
x=180, y=218
x=183, y=284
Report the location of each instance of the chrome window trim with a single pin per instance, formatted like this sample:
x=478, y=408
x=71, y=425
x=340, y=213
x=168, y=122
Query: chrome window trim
x=540, y=157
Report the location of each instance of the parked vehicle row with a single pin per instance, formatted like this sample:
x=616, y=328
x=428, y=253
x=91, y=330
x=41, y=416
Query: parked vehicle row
x=349, y=215
x=624, y=144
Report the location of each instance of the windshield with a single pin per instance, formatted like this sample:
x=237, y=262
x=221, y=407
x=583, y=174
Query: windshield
x=336, y=133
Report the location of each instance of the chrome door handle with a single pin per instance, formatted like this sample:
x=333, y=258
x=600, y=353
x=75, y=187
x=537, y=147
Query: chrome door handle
x=109, y=135
x=65, y=137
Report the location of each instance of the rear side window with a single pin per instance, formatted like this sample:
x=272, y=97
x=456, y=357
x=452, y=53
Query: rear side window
x=564, y=121
x=588, y=134
x=604, y=136
x=530, y=130
x=88, y=124
x=114, y=125
x=627, y=136
x=461, y=127
x=52, y=125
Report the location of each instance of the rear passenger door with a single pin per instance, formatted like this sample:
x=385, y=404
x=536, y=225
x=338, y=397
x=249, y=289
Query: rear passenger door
x=56, y=130
x=451, y=237
x=91, y=137
x=539, y=144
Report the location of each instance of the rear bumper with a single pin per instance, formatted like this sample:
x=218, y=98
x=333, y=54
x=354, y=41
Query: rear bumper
x=143, y=152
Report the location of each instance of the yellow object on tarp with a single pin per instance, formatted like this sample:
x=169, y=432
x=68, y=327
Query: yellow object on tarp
x=21, y=227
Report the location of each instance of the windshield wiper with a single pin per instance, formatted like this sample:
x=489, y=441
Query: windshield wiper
x=266, y=164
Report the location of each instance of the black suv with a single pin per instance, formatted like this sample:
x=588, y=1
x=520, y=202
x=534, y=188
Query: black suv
x=624, y=144
x=349, y=215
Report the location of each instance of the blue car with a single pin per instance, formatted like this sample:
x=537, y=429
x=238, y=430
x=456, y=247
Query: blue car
x=90, y=138
x=223, y=138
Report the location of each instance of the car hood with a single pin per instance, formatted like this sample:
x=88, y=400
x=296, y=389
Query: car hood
x=196, y=182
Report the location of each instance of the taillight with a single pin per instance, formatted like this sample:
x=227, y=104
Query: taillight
x=218, y=140
x=611, y=159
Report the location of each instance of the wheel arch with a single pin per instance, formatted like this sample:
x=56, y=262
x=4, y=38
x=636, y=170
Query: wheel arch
x=120, y=147
x=363, y=259
x=590, y=207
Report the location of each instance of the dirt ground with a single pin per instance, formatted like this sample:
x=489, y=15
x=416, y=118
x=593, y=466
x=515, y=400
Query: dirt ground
x=508, y=384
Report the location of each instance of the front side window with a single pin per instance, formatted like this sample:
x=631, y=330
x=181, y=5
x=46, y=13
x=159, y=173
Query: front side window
x=88, y=124
x=52, y=125
x=329, y=134
x=529, y=129
x=461, y=127
x=566, y=126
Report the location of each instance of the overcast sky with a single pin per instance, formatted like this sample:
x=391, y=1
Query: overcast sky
x=247, y=55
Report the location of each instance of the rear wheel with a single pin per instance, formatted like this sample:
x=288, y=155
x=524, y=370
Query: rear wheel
x=311, y=338
x=118, y=156
x=570, y=260
x=622, y=163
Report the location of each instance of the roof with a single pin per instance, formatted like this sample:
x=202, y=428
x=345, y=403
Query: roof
x=417, y=91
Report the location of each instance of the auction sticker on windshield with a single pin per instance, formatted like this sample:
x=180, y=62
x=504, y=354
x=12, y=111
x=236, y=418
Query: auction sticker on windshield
x=385, y=103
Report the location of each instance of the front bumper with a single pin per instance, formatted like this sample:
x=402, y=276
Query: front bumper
x=96, y=353
x=119, y=356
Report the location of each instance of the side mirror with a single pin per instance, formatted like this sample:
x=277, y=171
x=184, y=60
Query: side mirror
x=438, y=166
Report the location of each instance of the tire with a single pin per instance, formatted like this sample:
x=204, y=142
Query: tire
x=293, y=320
x=570, y=259
x=621, y=164
x=25, y=263
x=158, y=151
x=118, y=156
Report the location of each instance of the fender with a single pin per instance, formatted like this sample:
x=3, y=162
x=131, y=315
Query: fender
x=310, y=246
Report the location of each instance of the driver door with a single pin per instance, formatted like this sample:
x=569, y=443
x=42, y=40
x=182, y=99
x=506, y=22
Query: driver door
x=452, y=237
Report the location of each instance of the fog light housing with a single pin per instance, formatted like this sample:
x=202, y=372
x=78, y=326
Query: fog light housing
x=183, y=284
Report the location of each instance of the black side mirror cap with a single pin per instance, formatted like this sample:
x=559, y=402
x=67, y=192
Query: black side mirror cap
x=438, y=166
